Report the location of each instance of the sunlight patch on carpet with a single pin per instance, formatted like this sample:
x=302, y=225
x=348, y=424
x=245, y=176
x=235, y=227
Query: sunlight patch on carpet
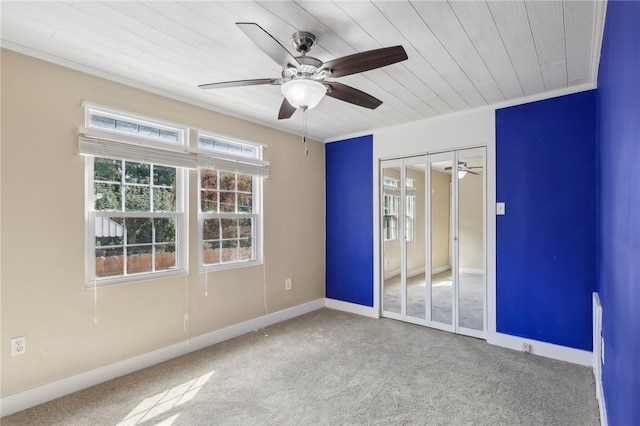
x=162, y=402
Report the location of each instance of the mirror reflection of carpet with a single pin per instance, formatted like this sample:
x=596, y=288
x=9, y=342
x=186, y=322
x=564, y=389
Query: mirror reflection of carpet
x=471, y=302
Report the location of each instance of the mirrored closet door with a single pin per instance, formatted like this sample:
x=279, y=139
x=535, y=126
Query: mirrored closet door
x=433, y=240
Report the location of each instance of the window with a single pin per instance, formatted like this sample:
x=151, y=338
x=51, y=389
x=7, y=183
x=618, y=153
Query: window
x=136, y=218
x=109, y=120
x=390, y=182
x=411, y=213
x=229, y=205
x=390, y=208
x=390, y=217
x=135, y=196
x=410, y=208
x=136, y=184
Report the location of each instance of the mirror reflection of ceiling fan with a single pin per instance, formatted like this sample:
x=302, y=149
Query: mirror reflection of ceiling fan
x=303, y=82
x=463, y=169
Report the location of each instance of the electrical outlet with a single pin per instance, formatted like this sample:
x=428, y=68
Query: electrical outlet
x=287, y=284
x=19, y=345
x=526, y=347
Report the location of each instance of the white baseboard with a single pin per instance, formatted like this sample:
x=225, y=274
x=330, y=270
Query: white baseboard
x=354, y=308
x=440, y=269
x=419, y=271
x=549, y=350
x=29, y=398
x=474, y=271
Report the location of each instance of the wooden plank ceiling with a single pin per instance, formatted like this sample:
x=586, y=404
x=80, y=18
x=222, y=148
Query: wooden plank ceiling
x=462, y=54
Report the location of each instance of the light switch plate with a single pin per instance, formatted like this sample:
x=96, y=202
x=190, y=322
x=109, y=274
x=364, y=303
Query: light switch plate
x=500, y=208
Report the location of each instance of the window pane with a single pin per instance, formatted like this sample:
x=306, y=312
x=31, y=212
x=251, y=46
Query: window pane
x=228, y=202
x=139, y=231
x=137, y=172
x=107, y=196
x=165, y=176
x=125, y=126
x=209, y=201
x=137, y=198
x=169, y=135
x=230, y=148
x=104, y=122
x=244, y=203
x=165, y=257
x=208, y=179
x=139, y=259
x=229, y=251
x=109, y=262
x=246, y=249
x=106, y=169
x=148, y=131
x=245, y=183
x=211, y=229
x=164, y=200
x=227, y=181
x=246, y=228
x=146, y=127
x=109, y=231
x=229, y=228
x=211, y=252
x=165, y=229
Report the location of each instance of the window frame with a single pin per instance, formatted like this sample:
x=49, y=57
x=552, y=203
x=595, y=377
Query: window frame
x=256, y=194
x=390, y=209
x=180, y=242
x=132, y=141
x=91, y=109
x=391, y=213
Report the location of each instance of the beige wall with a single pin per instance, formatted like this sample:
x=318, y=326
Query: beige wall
x=470, y=226
x=416, y=247
x=42, y=191
x=441, y=216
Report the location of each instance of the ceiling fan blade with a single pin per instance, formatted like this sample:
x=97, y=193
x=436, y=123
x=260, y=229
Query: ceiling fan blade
x=286, y=110
x=268, y=44
x=473, y=173
x=352, y=95
x=447, y=168
x=239, y=83
x=365, y=61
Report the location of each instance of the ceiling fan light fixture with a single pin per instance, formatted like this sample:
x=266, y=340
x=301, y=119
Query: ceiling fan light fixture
x=461, y=174
x=303, y=93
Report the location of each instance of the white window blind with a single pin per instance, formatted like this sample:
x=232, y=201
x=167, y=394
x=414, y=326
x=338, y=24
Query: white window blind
x=102, y=144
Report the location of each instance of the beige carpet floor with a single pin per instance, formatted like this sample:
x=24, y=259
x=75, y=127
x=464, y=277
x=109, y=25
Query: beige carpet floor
x=334, y=368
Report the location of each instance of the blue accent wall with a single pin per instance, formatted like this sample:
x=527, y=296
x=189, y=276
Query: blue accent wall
x=349, y=220
x=545, y=244
x=619, y=210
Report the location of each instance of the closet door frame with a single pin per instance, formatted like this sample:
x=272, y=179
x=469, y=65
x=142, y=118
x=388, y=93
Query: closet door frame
x=427, y=159
x=467, y=153
x=384, y=164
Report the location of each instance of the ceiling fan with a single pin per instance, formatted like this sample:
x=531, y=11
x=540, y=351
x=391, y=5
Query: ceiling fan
x=303, y=82
x=463, y=169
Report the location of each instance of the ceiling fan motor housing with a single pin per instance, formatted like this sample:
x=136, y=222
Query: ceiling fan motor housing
x=303, y=41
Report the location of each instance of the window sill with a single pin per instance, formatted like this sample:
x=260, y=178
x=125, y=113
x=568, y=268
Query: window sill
x=225, y=266
x=131, y=279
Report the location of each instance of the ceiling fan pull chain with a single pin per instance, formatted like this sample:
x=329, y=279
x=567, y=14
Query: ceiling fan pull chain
x=304, y=128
